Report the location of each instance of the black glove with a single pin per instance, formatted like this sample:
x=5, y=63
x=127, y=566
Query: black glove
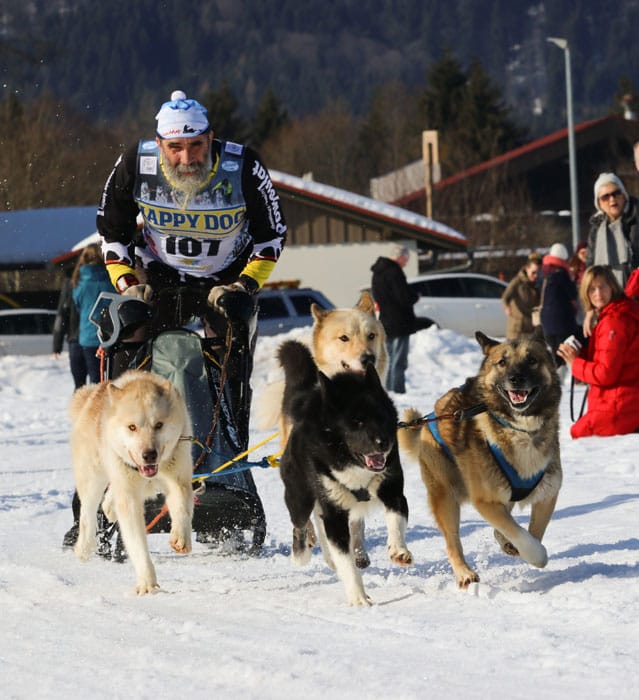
x=232, y=301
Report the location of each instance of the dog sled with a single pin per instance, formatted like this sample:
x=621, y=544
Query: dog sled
x=213, y=374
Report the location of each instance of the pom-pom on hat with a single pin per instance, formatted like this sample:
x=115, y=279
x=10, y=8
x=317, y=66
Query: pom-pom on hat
x=180, y=118
x=609, y=179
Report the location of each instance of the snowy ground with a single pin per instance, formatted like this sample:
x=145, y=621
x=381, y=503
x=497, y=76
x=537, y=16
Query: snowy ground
x=230, y=626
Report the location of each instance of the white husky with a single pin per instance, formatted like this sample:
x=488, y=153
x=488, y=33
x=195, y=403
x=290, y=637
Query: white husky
x=126, y=434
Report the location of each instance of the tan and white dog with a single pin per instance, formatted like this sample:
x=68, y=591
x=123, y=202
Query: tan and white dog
x=342, y=340
x=127, y=435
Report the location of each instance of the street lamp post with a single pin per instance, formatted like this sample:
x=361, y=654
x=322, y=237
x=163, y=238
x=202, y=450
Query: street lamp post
x=574, y=203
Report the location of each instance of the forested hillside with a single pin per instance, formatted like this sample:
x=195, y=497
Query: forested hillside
x=116, y=57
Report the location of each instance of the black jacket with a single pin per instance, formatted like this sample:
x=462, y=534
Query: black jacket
x=67, y=321
x=394, y=298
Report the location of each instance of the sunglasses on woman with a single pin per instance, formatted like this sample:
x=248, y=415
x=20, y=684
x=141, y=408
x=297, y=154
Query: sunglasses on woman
x=609, y=195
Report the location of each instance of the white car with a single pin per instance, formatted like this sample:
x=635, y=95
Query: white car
x=284, y=308
x=26, y=331
x=464, y=302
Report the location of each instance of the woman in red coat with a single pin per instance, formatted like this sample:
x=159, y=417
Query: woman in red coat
x=610, y=364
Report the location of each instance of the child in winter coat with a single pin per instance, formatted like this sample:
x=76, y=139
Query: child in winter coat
x=88, y=280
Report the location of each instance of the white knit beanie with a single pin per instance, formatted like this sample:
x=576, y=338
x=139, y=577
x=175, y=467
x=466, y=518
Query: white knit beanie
x=180, y=118
x=609, y=179
x=558, y=250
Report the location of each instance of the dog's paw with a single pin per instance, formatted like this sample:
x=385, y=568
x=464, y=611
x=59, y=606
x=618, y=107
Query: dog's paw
x=400, y=555
x=359, y=599
x=302, y=546
x=302, y=557
x=532, y=550
x=506, y=546
x=180, y=543
x=147, y=586
x=510, y=549
x=465, y=578
x=537, y=556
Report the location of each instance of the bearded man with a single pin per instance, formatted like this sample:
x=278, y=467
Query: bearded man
x=210, y=217
x=211, y=226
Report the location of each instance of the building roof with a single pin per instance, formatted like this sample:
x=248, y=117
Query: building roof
x=545, y=149
x=34, y=237
x=402, y=221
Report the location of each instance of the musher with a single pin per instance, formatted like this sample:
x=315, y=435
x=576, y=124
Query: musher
x=212, y=222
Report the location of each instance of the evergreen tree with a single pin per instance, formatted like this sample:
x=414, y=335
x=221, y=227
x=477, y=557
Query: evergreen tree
x=468, y=111
x=271, y=116
x=223, y=114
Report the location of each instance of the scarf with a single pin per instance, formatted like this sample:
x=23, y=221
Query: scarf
x=612, y=248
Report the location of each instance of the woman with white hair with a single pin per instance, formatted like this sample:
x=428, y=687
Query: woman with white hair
x=613, y=238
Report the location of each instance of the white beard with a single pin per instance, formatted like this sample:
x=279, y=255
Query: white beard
x=185, y=186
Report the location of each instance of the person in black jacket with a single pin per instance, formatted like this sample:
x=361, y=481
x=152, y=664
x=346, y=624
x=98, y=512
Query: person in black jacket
x=67, y=324
x=395, y=300
x=558, y=295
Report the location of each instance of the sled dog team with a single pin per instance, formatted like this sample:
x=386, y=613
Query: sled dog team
x=492, y=442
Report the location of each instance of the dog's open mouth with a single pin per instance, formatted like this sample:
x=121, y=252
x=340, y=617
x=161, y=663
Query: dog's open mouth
x=148, y=470
x=145, y=469
x=520, y=398
x=376, y=462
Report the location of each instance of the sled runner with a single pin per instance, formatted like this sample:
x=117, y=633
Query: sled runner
x=213, y=374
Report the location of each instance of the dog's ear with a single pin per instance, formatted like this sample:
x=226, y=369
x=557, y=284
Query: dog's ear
x=112, y=390
x=366, y=303
x=171, y=389
x=326, y=386
x=485, y=342
x=538, y=334
x=318, y=312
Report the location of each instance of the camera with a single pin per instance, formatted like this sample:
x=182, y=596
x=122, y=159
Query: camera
x=573, y=342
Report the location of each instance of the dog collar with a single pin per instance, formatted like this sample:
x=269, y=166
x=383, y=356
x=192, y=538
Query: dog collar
x=506, y=424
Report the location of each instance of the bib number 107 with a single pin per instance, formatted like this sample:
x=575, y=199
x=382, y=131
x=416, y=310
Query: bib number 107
x=190, y=247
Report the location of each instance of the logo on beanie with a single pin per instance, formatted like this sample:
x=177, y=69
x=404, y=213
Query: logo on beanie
x=171, y=117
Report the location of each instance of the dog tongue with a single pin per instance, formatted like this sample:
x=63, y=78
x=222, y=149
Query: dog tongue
x=518, y=396
x=148, y=470
x=375, y=462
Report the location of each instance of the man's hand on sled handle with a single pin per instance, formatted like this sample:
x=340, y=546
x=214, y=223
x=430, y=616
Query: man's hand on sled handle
x=130, y=287
x=234, y=300
x=139, y=291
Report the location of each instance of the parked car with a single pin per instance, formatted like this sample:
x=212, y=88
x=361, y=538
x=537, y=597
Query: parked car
x=26, y=331
x=464, y=302
x=284, y=308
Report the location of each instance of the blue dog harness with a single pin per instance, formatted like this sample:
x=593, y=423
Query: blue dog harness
x=520, y=487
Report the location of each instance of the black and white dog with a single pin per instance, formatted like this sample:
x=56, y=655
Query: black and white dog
x=341, y=459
